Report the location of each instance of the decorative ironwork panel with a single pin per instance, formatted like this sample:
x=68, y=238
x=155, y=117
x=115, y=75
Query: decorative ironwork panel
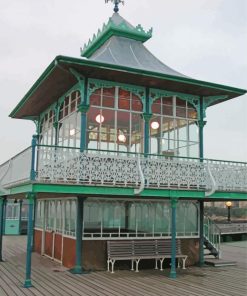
x=65, y=165
x=174, y=173
x=229, y=176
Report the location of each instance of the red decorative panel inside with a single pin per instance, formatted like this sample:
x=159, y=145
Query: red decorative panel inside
x=48, y=243
x=58, y=247
x=37, y=241
x=68, y=252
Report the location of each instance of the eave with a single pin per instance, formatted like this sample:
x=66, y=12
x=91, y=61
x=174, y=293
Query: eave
x=57, y=79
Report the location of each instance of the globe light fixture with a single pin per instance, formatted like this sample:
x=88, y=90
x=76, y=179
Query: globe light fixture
x=122, y=138
x=72, y=132
x=99, y=118
x=155, y=125
x=229, y=204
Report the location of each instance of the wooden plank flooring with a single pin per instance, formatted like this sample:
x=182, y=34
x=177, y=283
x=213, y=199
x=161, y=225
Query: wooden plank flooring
x=50, y=278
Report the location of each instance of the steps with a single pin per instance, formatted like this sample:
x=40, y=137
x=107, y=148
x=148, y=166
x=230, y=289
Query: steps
x=219, y=262
x=211, y=248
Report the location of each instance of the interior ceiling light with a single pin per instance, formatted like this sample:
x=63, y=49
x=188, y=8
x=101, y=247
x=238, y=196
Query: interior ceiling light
x=72, y=132
x=155, y=125
x=122, y=138
x=99, y=118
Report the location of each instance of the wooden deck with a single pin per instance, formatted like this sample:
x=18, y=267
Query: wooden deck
x=49, y=278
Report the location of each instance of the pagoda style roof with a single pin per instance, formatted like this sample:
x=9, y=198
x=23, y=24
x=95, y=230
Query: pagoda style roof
x=116, y=26
x=120, y=43
x=116, y=54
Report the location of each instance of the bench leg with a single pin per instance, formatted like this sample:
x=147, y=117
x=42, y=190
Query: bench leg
x=137, y=264
x=108, y=265
x=179, y=262
x=112, y=266
x=132, y=265
x=184, y=260
x=156, y=264
x=161, y=264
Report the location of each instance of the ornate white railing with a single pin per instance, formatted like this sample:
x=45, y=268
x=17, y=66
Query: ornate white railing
x=16, y=170
x=66, y=165
x=61, y=165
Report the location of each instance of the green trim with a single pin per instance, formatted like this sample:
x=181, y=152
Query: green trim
x=21, y=189
x=31, y=199
x=55, y=107
x=144, y=73
x=118, y=191
x=111, y=29
x=210, y=100
x=101, y=65
x=94, y=84
x=229, y=195
x=40, y=80
x=75, y=87
x=201, y=124
x=192, y=99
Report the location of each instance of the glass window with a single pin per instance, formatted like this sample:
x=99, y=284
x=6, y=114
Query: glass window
x=172, y=131
x=114, y=121
x=69, y=125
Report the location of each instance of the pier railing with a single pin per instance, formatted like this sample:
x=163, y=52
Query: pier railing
x=65, y=165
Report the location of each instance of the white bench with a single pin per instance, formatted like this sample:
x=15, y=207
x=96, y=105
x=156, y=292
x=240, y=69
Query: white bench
x=136, y=250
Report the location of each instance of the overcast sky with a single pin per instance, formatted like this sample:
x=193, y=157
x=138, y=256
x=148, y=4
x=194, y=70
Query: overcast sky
x=204, y=39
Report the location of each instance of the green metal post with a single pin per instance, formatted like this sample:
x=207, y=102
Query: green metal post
x=31, y=197
x=173, y=273
x=78, y=269
x=20, y=215
x=201, y=202
x=147, y=117
x=4, y=215
x=34, y=218
x=83, y=108
x=2, y=205
x=34, y=145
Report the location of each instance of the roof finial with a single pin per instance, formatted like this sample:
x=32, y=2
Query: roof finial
x=116, y=2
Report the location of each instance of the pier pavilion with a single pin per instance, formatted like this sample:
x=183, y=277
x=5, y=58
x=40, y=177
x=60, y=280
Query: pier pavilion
x=117, y=153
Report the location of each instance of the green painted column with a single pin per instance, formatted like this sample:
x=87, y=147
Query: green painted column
x=31, y=199
x=147, y=117
x=4, y=215
x=2, y=205
x=33, y=159
x=78, y=269
x=34, y=218
x=201, y=124
x=201, y=230
x=173, y=273
x=83, y=108
x=20, y=215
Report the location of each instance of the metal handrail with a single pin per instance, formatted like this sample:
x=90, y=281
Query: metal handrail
x=212, y=233
x=144, y=154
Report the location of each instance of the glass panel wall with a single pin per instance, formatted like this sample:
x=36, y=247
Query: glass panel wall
x=106, y=219
x=69, y=123
x=114, y=121
x=174, y=128
x=47, y=130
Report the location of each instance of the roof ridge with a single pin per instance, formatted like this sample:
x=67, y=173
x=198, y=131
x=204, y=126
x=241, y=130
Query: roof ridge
x=115, y=27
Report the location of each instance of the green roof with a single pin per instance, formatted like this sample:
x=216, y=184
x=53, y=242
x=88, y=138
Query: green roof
x=116, y=26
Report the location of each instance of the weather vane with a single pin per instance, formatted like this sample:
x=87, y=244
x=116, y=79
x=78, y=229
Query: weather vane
x=116, y=2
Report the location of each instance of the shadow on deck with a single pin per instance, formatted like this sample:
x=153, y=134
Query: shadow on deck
x=50, y=278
